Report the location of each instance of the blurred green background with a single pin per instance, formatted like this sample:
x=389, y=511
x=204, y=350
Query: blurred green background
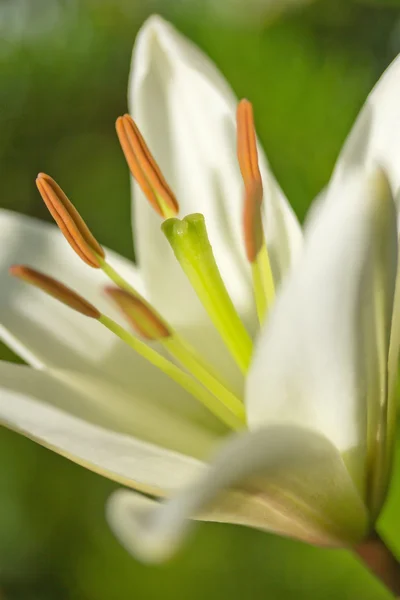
x=63, y=75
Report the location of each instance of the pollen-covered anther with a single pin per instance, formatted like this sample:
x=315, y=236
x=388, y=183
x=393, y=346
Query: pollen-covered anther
x=145, y=169
x=71, y=224
x=144, y=320
x=54, y=288
x=248, y=162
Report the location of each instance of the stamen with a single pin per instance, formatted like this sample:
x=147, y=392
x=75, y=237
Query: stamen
x=71, y=224
x=152, y=327
x=145, y=169
x=118, y=279
x=252, y=221
x=67, y=296
x=263, y=283
x=189, y=359
x=256, y=249
x=54, y=288
x=189, y=241
x=191, y=385
x=75, y=230
x=140, y=315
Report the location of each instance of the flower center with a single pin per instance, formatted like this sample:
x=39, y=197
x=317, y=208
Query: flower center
x=189, y=241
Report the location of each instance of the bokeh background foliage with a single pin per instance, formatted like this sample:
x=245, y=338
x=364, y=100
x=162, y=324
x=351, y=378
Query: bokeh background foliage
x=63, y=73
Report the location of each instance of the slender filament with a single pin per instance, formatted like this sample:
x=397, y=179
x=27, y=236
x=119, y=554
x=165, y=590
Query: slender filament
x=188, y=383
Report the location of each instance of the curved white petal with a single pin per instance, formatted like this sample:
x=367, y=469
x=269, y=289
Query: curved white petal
x=186, y=112
x=282, y=479
x=321, y=358
x=374, y=139
x=89, y=421
x=48, y=334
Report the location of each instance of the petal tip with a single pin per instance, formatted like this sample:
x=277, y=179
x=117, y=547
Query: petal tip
x=155, y=22
x=153, y=30
x=130, y=517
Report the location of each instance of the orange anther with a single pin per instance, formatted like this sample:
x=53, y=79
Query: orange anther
x=247, y=144
x=140, y=315
x=145, y=169
x=248, y=162
x=54, y=288
x=71, y=224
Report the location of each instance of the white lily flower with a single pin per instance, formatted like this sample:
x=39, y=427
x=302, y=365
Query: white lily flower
x=315, y=463
x=313, y=409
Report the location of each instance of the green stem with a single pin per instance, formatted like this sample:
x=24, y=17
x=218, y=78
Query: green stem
x=380, y=560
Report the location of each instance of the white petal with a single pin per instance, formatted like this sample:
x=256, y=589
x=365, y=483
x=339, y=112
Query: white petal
x=186, y=112
x=319, y=358
x=98, y=426
x=375, y=137
x=285, y=479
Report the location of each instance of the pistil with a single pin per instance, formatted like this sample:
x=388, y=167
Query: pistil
x=189, y=241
